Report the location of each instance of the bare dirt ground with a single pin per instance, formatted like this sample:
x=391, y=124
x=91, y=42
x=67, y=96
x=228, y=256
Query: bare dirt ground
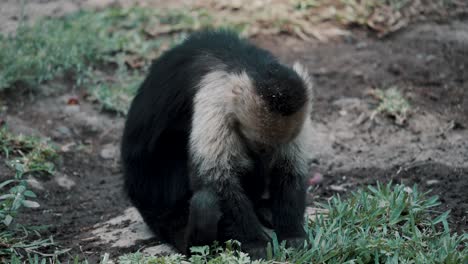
x=87, y=210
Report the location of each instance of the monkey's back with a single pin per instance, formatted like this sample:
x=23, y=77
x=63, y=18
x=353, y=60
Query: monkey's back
x=154, y=146
x=164, y=100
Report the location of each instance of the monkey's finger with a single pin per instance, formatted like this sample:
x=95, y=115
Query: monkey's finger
x=316, y=179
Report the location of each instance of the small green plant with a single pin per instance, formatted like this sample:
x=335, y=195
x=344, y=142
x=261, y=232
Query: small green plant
x=392, y=103
x=306, y=4
x=25, y=156
x=117, y=95
x=229, y=254
x=361, y=10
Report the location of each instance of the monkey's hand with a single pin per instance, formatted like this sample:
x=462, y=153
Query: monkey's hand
x=256, y=251
x=296, y=241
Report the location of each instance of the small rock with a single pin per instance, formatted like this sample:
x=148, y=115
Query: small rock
x=361, y=45
x=112, y=232
x=63, y=131
x=71, y=109
x=93, y=123
x=163, y=249
x=345, y=134
x=432, y=182
x=64, y=181
x=109, y=151
x=337, y=188
x=408, y=189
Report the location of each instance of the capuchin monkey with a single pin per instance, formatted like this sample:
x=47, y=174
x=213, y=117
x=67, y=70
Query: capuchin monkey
x=214, y=145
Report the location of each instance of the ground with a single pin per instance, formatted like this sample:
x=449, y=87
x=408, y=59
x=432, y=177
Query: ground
x=350, y=147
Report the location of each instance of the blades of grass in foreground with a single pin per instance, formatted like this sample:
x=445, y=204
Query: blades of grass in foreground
x=378, y=224
x=25, y=156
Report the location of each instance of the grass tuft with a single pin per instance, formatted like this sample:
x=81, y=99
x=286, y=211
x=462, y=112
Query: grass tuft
x=384, y=224
x=392, y=103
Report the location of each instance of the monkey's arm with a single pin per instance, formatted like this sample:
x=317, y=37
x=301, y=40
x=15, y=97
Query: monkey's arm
x=288, y=191
x=219, y=172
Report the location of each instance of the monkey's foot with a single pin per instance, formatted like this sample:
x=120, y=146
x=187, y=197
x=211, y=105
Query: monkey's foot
x=255, y=251
x=295, y=242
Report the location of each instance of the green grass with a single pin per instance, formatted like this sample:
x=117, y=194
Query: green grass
x=106, y=51
x=116, y=95
x=109, y=51
x=72, y=44
x=382, y=224
x=24, y=156
x=42, y=52
x=392, y=103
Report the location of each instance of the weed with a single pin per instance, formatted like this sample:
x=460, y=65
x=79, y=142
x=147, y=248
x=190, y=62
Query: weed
x=117, y=95
x=384, y=224
x=24, y=155
x=392, y=103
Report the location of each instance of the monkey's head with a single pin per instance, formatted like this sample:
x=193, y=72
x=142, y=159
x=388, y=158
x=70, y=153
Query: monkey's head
x=270, y=106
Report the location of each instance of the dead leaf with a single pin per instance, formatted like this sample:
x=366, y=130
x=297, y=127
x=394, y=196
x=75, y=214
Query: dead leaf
x=73, y=101
x=67, y=147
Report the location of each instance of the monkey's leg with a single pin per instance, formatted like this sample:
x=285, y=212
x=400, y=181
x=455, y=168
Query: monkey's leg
x=288, y=200
x=205, y=212
x=239, y=221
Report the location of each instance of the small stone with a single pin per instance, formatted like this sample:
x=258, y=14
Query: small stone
x=163, y=249
x=64, y=131
x=71, y=109
x=361, y=45
x=408, y=189
x=112, y=232
x=337, y=188
x=64, y=181
x=109, y=151
x=432, y=182
x=93, y=123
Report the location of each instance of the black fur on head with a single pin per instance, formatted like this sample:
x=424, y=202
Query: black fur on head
x=281, y=88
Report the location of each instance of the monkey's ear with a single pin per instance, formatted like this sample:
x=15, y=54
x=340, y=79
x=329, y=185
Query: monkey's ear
x=302, y=71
